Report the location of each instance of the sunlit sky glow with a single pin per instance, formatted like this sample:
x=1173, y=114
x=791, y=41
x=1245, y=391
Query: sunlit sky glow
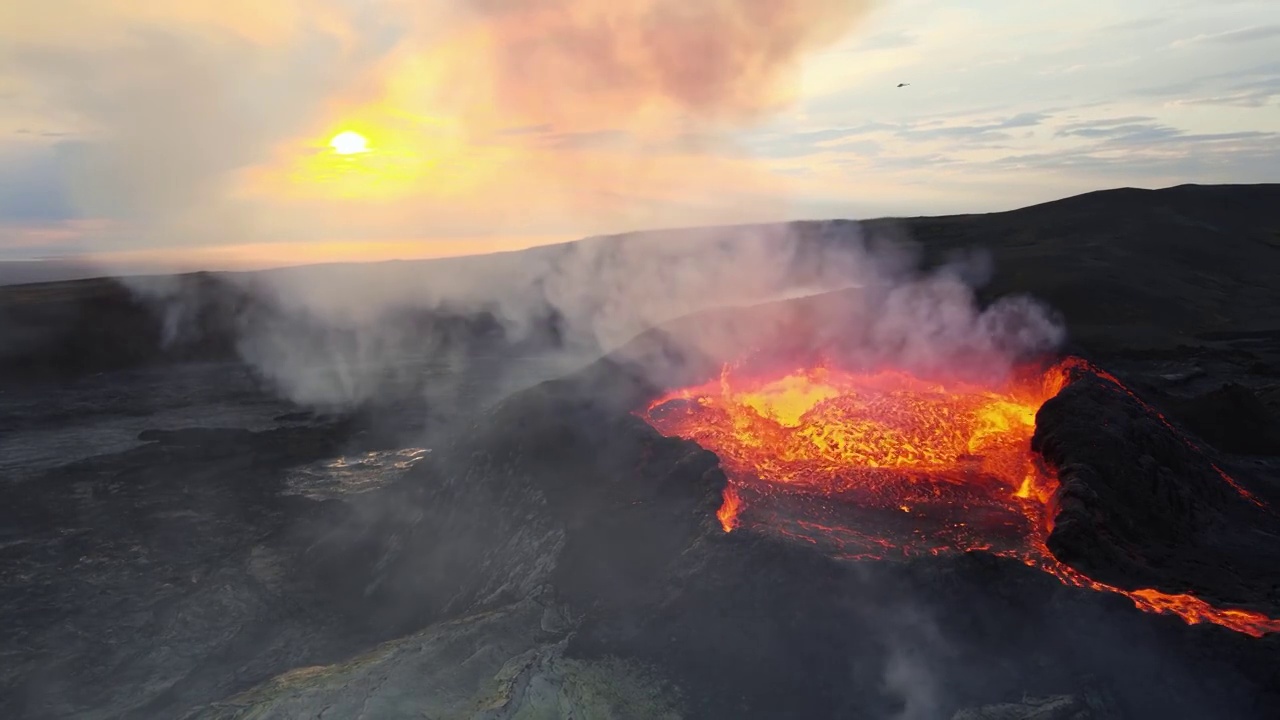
x=230, y=133
x=349, y=142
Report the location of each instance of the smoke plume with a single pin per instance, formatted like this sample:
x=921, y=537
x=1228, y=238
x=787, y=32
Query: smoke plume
x=346, y=333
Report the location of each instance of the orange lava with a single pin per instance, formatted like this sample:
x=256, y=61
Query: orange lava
x=883, y=464
x=728, y=512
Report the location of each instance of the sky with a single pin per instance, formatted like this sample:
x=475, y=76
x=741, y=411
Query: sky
x=198, y=134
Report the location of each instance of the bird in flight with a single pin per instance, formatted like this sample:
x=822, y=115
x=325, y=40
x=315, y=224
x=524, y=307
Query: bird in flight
x=903, y=84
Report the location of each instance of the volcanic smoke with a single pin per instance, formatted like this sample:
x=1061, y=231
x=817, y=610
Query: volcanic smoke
x=878, y=464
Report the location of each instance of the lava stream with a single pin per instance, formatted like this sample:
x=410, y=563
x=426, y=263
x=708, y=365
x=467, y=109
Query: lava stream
x=877, y=464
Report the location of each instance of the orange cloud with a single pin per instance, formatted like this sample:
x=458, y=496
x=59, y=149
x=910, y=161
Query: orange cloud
x=643, y=65
x=209, y=122
x=111, y=22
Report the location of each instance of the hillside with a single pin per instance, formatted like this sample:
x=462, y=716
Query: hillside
x=1136, y=266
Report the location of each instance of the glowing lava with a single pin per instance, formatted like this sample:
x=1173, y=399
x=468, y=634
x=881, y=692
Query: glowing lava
x=878, y=464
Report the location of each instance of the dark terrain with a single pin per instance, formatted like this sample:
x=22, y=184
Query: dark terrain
x=177, y=541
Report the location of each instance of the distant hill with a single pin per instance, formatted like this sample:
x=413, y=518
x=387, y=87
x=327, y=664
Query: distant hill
x=1136, y=266
x=1125, y=267
x=27, y=272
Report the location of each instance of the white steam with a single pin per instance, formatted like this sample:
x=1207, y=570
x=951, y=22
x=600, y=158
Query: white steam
x=350, y=333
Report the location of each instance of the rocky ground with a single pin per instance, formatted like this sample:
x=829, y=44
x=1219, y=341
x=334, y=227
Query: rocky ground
x=559, y=559
x=177, y=542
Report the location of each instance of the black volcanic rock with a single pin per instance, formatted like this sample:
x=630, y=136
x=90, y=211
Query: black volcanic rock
x=212, y=438
x=139, y=580
x=1094, y=429
x=1233, y=419
x=558, y=471
x=62, y=331
x=1092, y=704
x=1139, y=505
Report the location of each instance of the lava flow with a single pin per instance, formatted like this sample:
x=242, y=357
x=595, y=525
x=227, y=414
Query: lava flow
x=881, y=464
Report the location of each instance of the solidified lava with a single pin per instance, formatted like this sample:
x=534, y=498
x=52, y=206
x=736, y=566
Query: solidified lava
x=879, y=464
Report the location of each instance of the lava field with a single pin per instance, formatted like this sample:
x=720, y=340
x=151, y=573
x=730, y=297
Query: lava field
x=881, y=464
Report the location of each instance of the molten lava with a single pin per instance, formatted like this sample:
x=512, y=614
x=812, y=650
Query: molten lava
x=878, y=464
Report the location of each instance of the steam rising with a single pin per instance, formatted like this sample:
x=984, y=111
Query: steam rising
x=580, y=300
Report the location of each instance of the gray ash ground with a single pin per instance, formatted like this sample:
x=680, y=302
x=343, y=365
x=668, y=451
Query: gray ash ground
x=178, y=542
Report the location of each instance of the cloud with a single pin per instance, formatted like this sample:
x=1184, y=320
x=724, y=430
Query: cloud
x=1134, y=25
x=175, y=112
x=986, y=131
x=870, y=138
x=1253, y=94
x=776, y=144
x=1104, y=122
x=1124, y=130
x=1026, y=119
x=891, y=40
x=1129, y=112
x=205, y=123
x=1254, y=86
x=1233, y=37
x=31, y=184
x=1178, y=88
x=530, y=117
x=41, y=133
x=590, y=62
x=1161, y=151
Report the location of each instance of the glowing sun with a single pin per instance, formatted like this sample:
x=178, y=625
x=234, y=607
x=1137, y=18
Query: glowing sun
x=349, y=143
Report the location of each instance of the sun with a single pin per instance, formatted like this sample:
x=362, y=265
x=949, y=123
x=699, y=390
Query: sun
x=349, y=143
